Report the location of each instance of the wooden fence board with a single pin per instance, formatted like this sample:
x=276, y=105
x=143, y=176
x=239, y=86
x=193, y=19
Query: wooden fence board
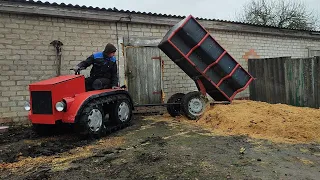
x=285, y=80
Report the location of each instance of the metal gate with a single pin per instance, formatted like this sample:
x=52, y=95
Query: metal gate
x=144, y=74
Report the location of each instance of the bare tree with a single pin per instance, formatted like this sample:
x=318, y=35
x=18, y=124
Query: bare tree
x=279, y=13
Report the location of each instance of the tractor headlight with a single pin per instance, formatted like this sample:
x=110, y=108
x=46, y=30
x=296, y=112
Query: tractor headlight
x=27, y=106
x=60, y=106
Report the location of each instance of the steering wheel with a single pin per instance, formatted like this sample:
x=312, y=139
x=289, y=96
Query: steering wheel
x=76, y=71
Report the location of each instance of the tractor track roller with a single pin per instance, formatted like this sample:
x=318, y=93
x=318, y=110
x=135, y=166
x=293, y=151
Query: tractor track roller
x=93, y=121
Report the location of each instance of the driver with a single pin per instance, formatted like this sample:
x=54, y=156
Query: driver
x=103, y=74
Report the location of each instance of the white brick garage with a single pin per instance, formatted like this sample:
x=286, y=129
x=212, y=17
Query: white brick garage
x=26, y=30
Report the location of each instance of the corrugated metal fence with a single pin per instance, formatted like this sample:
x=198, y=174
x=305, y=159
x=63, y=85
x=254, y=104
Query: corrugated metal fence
x=286, y=80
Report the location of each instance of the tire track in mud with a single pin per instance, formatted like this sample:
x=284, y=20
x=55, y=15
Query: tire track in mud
x=22, y=150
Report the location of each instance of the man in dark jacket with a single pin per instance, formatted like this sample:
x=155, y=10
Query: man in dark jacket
x=103, y=74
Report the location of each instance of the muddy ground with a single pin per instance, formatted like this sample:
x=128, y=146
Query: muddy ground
x=154, y=148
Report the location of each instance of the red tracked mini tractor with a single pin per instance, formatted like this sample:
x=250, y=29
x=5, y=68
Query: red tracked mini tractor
x=64, y=99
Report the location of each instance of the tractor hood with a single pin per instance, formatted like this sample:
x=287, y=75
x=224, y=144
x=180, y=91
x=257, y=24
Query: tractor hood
x=44, y=95
x=69, y=84
x=55, y=80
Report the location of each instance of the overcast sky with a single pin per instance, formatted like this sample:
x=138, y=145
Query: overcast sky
x=213, y=9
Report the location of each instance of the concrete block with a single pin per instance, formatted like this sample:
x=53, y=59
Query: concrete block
x=3, y=78
x=5, y=52
x=17, y=109
x=59, y=34
x=21, y=73
x=9, y=114
x=32, y=21
x=40, y=28
x=8, y=83
x=23, y=83
x=12, y=36
x=60, y=24
x=25, y=26
x=33, y=52
x=11, y=25
x=54, y=29
x=4, y=99
x=157, y=34
x=46, y=23
x=71, y=25
x=84, y=26
x=23, y=114
x=155, y=30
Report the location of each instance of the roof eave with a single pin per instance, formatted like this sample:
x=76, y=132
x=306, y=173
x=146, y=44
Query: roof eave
x=43, y=9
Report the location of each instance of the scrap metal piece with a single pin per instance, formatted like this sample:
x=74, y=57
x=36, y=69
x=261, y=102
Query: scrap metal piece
x=57, y=44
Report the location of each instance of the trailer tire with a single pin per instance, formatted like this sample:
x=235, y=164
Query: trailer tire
x=193, y=105
x=175, y=110
x=121, y=112
x=92, y=122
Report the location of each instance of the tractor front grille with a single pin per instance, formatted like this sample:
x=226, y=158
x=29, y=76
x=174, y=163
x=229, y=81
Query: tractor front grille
x=41, y=102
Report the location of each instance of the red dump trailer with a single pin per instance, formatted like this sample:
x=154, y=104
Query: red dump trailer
x=216, y=73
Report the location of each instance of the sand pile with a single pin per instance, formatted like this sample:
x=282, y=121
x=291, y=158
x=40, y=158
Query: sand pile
x=275, y=122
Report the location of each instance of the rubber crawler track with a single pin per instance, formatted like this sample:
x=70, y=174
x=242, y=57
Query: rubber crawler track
x=107, y=100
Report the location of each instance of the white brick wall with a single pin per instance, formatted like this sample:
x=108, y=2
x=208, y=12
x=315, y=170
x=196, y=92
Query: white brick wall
x=26, y=55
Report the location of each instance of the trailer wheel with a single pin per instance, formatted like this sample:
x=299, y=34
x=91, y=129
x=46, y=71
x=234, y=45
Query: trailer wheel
x=175, y=110
x=91, y=123
x=193, y=105
x=121, y=112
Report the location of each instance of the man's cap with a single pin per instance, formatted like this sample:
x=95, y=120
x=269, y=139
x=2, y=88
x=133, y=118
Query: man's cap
x=109, y=48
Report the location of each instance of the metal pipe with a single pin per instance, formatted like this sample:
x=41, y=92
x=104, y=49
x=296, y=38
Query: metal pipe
x=145, y=105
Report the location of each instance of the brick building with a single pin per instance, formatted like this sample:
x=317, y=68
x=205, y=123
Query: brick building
x=27, y=28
